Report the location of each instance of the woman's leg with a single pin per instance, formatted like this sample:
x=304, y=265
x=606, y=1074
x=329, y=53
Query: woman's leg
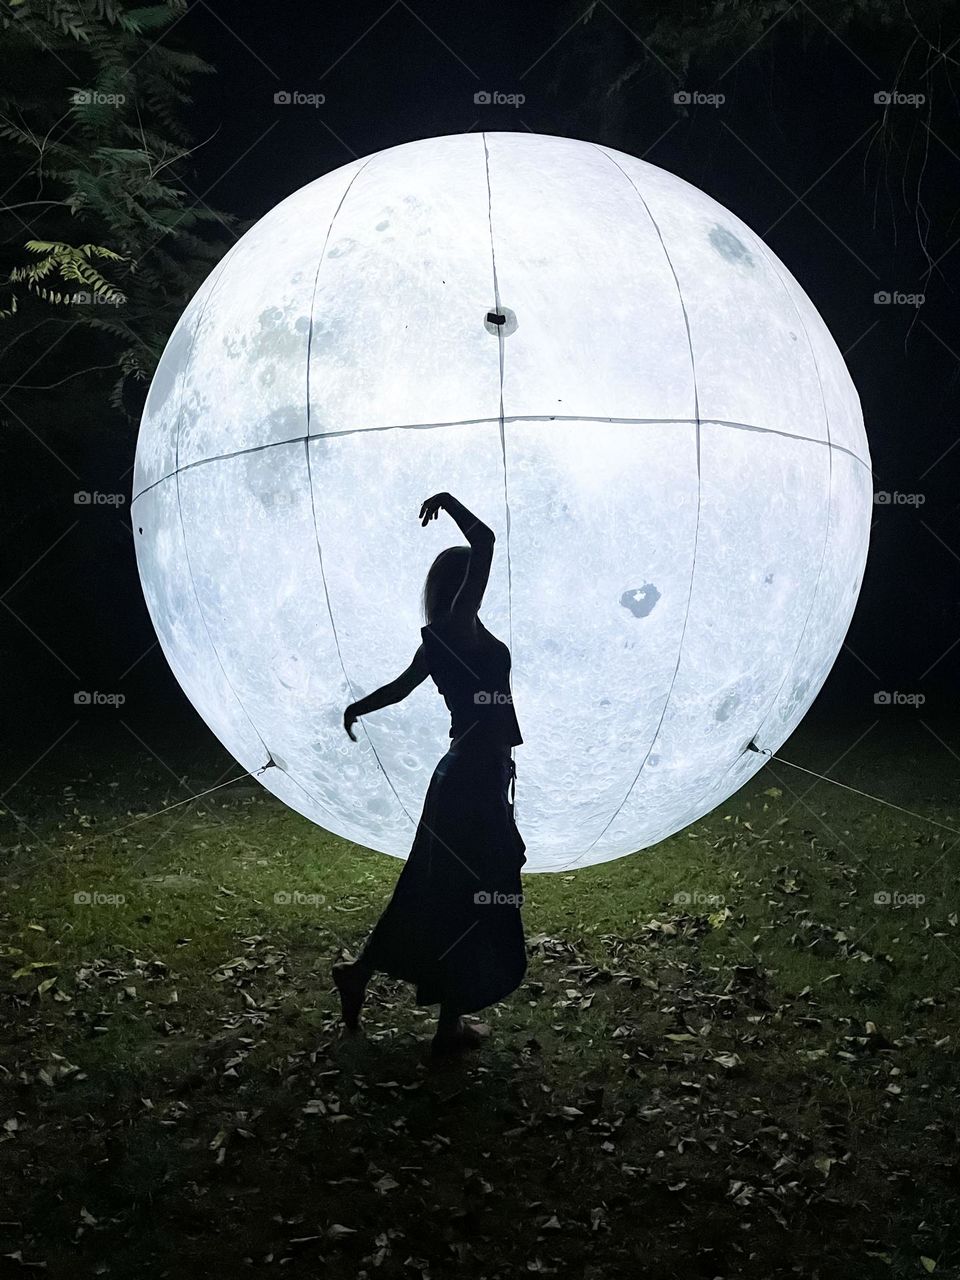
x=448, y=1023
x=351, y=983
x=453, y=1034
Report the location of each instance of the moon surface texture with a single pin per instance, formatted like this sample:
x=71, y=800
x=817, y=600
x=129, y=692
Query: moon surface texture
x=610, y=369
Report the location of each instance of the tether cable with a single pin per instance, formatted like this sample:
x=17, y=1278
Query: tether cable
x=145, y=817
x=752, y=746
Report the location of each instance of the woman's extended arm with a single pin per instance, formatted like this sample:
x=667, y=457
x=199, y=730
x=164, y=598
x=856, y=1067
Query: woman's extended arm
x=481, y=538
x=388, y=694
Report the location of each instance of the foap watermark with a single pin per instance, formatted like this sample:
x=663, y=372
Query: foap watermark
x=896, y=298
x=86, y=498
x=297, y=98
x=96, y=98
x=694, y=98
x=492, y=698
x=893, y=498
x=95, y=898
x=894, y=898
x=86, y=299
x=697, y=898
x=296, y=898
x=86, y=698
x=496, y=98
x=894, y=98
x=277, y=498
x=897, y=699
x=494, y=898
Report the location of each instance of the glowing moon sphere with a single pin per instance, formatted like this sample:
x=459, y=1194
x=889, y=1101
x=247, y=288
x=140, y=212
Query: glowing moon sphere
x=603, y=363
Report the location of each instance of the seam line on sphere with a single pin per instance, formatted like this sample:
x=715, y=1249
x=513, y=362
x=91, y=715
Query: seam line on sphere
x=220, y=270
x=333, y=628
x=696, y=530
x=500, y=354
x=313, y=505
x=717, y=786
x=789, y=667
x=183, y=531
x=316, y=278
x=520, y=417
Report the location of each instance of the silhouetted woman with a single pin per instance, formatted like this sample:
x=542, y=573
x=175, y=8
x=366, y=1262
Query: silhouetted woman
x=453, y=924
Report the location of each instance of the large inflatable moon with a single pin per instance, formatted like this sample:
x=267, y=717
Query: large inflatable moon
x=612, y=371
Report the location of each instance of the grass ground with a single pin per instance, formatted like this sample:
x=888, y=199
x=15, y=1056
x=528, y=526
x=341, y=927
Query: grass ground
x=756, y=1078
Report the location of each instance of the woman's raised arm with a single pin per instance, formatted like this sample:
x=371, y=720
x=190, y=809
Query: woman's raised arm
x=481, y=538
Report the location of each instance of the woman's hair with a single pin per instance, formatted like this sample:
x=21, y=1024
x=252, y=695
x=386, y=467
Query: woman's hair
x=444, y=579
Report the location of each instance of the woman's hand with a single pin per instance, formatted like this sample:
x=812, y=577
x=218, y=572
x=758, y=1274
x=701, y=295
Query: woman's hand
x=349, y=720
x=431, y=508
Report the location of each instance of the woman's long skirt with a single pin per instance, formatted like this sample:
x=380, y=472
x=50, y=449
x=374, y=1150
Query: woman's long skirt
x=453, y=924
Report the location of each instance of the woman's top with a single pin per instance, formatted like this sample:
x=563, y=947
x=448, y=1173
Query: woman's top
x=474, y=683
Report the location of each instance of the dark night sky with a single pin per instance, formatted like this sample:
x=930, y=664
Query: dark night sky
x=796, y=150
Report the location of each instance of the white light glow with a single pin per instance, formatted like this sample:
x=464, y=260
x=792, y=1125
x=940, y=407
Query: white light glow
x=664, y=438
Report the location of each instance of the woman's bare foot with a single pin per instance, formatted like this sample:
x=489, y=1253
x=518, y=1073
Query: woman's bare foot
x=351, y=983
x=459, y=1037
